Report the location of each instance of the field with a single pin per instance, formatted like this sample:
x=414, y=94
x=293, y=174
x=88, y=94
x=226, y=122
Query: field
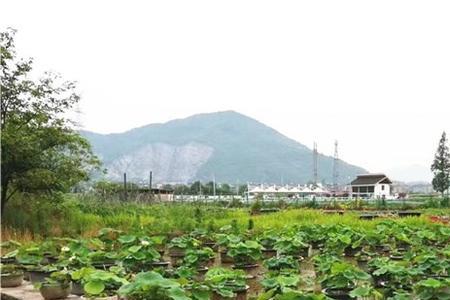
x=196, y=251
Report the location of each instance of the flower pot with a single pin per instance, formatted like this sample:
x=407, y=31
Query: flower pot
x=268, y=253
x=8, y=260
x=362, y=264
x=316, y=245
x=225, y=258
x=176, y=261
x=11, y=279
x=249, y=269
x=50, y=258
x=101, y=298
x=177, y=252
x=351, y=252
x=240, y=294
x=55, y=291
x=38, y=276
x=396, y=257
x=160, y=264
x=77, y=288
x=338, y=294
x=201, y=271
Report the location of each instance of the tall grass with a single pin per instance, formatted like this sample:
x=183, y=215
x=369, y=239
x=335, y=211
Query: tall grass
x=31, y=219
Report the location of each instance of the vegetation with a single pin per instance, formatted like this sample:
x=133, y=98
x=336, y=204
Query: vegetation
x=405, y=258
x=41, y=153
x=441, y=167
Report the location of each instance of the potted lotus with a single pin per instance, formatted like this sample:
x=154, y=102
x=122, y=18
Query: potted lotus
x=268, y=241
x=11, y=276
x=245, y=256
x=206, y=238
x=227, y=284
x=152, y=285
x=292, y=245
x=178, y=247
x=344, y=280
x=57, y=286
x=280, y=283
x=98, y=284
x=141, y=257
x=101, y=259
x=433, y=289
x=38, y=273
x=199, y=259
x=224, y=240
x=283, y=262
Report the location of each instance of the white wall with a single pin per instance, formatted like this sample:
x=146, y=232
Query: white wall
x=379, y=192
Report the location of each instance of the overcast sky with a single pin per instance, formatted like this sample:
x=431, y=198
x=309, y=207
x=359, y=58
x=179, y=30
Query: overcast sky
x=375, y=75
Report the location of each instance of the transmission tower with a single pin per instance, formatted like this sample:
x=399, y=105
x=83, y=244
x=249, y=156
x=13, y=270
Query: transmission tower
x=335, y=167
x=315, y=163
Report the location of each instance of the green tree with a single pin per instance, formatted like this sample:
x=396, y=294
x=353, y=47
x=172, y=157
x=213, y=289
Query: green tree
x=441, y=166
x=40, y=150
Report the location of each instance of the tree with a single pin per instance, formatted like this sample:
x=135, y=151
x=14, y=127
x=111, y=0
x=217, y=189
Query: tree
x=441, y=166
x=40, y=150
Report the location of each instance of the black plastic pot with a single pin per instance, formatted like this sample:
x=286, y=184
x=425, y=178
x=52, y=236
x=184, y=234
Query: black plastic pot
x=338, y=294
x=351, y=252
x=103, y=265
x=241, y=294
x=177, y=252
x=268, y=253
x=249, y=269
x=409, y=213
x=224, y=257
x=38, y=276
x=160, y=264
x=77, y=288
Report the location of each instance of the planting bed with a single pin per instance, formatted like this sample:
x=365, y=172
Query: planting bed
x=387, y=260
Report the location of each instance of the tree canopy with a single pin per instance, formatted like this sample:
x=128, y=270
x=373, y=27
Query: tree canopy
x=41, y=152
x=441, y=166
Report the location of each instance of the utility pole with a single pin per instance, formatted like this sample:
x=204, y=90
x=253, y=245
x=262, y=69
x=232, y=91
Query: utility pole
x=315, y=154
x=214, y=186
x=335, y=168
x=125, y=186
x=150, y=178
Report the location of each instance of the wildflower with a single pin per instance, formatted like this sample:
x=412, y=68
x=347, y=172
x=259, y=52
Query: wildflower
x=145, y=243
x=65, y=249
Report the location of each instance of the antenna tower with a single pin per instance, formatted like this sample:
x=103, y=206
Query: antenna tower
x=335, y=167
x=315, y=163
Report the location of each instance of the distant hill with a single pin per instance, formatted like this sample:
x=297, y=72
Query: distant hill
x=228, y=145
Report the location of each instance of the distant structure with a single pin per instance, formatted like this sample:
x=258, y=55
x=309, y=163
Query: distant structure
x=335, y=168
x=315, y=154
x=371, y=186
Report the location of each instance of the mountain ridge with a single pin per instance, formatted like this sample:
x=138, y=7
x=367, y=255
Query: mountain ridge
x=226, y=145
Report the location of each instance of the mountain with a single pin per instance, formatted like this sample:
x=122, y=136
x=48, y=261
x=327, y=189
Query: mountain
x=228, y=145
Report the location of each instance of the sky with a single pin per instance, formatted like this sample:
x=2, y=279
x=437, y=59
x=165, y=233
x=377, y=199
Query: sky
x=374, y=75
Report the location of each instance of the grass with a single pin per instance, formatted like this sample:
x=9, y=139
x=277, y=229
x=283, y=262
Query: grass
x=32, y=219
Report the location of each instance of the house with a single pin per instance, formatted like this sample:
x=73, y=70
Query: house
x=372, y=186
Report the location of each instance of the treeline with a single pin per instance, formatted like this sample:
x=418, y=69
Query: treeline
x=196, y=188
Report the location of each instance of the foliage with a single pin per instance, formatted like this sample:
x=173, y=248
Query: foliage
x=198, y=257
x=98, y=282
x=281, y=263
x=40, y=151
x=225, y=281
x=441, y=167
x=245, y=252
x=151, y=285
x=343, y=275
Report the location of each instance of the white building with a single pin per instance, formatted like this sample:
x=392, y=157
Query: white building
x=374, y=186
